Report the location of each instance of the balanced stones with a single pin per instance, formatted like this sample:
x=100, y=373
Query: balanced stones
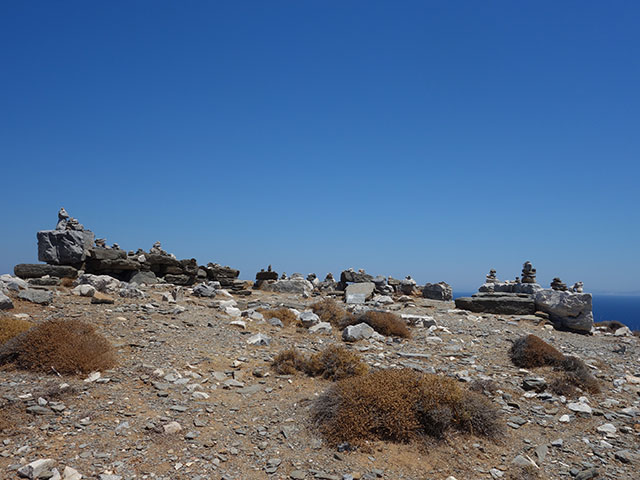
x=491, y=277
x=558, y=285
x=528, y=273
x=577, y=287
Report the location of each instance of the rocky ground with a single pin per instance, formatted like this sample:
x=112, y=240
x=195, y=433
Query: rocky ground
x=192, y=398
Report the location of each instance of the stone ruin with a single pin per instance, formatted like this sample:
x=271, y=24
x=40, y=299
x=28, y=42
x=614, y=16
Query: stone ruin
x=568, y=309
x=71, y=248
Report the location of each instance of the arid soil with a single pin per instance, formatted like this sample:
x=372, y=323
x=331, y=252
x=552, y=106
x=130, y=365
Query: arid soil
x=238, y=419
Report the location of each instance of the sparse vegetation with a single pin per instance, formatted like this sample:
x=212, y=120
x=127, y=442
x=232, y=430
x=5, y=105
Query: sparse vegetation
x=330, y=311
x=402, y=405
x=333, y=363
x=68, y=346
x=385, y=323
x=531, y=351
x=285, y=315
x=529, y=472
x=10, y=327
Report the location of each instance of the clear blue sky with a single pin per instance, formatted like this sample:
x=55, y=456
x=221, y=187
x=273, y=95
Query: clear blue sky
x=437, y=139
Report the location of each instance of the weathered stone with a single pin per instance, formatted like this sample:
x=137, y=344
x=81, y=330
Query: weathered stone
x=510, y=287
x=35, y=469
x=498, y=304
x=568, y=310
x=42, y=297
x=438, y=291
x=98, y=253
x=84, y=290
x=268, y=275
x=204, y=290
x=64, y=247
x=147, y=278
x=537, y=384
x=320, y=327
x=37, y=270
x=259, y=339
x=8, y=282
x=309, y=319
x=354, y=292
x=349, y=276
x=361, y=331
x=179, y=279
x=102, y=283
x=298, y=285
x=5, y=302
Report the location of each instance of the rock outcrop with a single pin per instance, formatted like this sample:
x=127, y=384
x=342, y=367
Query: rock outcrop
x=567, y=310
x=500, y=304
x=438, y=291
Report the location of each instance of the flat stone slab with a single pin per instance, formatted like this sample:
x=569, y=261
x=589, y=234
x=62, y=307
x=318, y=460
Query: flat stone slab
x=37, y=270
x=498, y=304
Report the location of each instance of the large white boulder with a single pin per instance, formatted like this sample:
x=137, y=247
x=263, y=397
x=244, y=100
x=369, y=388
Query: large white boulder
x=568, y=310
x=102, y=283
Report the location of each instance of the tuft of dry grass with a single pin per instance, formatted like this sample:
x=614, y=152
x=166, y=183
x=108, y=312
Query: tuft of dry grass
x=67, y=282
x=285, y=315
x=10, y=327
x=329, y=311
x=385, y=323
x=68, y=346
x=333, y=363
x=401, y=405
x=289, y=362
x=531, y=351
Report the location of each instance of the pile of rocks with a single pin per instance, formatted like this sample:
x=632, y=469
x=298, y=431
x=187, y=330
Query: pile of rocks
x=71, y=248
x=567, y=309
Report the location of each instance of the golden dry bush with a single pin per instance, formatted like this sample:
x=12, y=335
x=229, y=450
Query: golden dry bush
x=285, y=315
x=68, y=346
x=401, y=405
x=10, y=327
x=385, y=323
x=289, y=362
x=329, y=311
x=333, y=363
x=531, y=351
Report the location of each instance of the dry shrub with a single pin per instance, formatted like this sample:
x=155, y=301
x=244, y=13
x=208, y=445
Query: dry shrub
x=285, y=315
x=333, y=363
x=329, y=311
x=10, y=327
x=67, y=282
x=577, y=373
x=385, y=323
x=68, y=346
x=532, y=351
x=289, y=362
x=401, y=405
x=13, y=417
x=336, y=363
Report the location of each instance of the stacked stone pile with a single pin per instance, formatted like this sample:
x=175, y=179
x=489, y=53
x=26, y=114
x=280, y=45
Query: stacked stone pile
x=71, y=248
x=567, y=309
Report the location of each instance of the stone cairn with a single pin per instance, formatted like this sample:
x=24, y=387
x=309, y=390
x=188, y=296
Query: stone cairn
x=70, y=248
x=528, y=273
x=491, y=277
x=558, y=285
x=567, y=309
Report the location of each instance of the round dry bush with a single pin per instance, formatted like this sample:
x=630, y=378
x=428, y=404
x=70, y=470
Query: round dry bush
x=10, y=327
x=532, y=351
x=336, y=363
x=68, y=346
x=329, y=311
x=285, y=315
x=333, y=363
x=289, y=362
x=401, y=405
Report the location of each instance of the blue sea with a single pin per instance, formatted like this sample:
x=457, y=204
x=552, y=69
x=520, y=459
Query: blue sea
x=625, y=309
